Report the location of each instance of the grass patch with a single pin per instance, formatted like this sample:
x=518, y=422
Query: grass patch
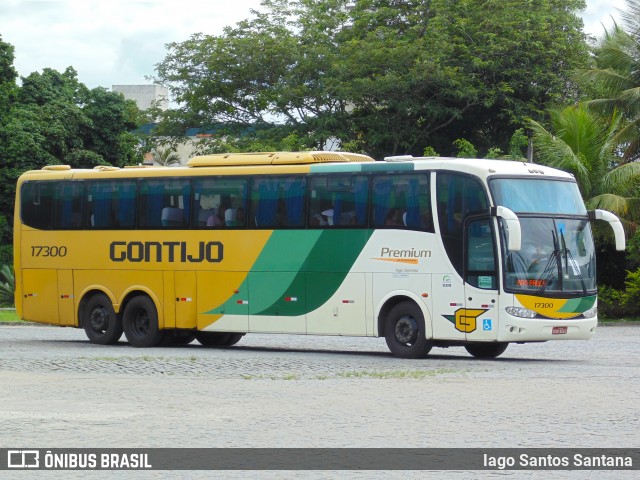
x=411, y=374
x=361, y=374
x=288, y=376
x=9, y=316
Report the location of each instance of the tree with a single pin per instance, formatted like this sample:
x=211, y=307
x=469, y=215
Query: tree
x=8, y=76
x=166, y=157
x=382, y=76
x=614, y=80
x=111, y=121
x=55, y=119
x=585, y=145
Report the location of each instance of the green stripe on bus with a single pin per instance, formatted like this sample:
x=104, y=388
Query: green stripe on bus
x=363, y=167
x=578, y=305
x=387, y=167
x=293, y=275
x=314, y=282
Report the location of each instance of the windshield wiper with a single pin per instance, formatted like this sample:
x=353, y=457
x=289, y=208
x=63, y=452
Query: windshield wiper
x=548, y=269
x=574, y=265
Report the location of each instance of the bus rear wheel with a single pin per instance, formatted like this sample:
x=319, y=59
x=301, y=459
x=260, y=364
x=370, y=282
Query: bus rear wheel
x=218, y=339
x=486, y=350
x=100, y=322
x=140, y=322
x=404, y=331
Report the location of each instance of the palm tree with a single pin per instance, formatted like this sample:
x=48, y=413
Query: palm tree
x=166, y=157
x=616, y=79
x=585, y=145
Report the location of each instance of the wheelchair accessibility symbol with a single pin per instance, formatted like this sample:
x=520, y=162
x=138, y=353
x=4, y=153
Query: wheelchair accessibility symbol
x=486, y=325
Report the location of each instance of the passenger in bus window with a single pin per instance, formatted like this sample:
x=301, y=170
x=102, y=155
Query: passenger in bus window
x=215, y=220
x=172, y=217
x=394, y=218
x=241, y=218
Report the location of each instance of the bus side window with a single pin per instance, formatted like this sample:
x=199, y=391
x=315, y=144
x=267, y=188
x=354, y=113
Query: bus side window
x=481, y=263
x=458, y=195
x=278, y=202
x=110, y=204
x=164, y=203
x=68, y=205
x=220, y=202
x=402, y=201
x=338, y=201
x=36, y=206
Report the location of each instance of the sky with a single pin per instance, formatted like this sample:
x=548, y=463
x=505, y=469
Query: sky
x=118, y=42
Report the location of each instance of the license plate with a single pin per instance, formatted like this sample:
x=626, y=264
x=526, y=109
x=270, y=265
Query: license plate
x=559, y=330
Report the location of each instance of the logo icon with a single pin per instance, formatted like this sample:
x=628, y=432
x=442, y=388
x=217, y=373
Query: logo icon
x=23, y=459
x=486, y=325
x=465, y=319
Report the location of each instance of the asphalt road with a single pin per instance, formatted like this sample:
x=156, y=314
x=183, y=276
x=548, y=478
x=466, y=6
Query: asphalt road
x=57, y=390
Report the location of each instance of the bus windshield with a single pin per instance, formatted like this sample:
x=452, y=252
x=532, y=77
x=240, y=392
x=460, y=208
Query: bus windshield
x=539, y=195
x=557, y=254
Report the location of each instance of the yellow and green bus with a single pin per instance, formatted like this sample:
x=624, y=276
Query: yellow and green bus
x=422, y=251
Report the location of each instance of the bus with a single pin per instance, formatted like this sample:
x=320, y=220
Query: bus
x=425, y=252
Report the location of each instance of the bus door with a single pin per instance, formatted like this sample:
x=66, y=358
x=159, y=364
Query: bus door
x=479, y=319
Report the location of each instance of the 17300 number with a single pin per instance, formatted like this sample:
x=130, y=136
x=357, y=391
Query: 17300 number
x=48, y=251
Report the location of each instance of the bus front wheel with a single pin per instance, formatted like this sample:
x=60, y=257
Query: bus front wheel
x=486, y=350
x=404, y=331
x=100, y=322
x=140, y=322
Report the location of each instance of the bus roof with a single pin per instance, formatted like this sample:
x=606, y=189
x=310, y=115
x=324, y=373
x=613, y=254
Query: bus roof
x=303, y=162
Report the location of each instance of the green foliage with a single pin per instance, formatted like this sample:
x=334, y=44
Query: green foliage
x=465, y=149
x=8, y=76
x=6, y=254
x=494, y=153
x=611, y=303
x=518, y=145
x=613, y=82
x=632, y=300
x=84, y=159
x=7, y=286
x=166, y=157
x=430, y=152
x=381, y=76
x=54, y=119
x=584, y=144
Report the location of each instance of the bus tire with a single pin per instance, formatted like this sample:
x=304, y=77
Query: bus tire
x=218, y=339
x=101, y=323
x=140, y=322
x=486, y=350
x=233, y=339
x=404, y=331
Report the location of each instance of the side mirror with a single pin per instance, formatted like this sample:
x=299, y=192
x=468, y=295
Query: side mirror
x=615, y=223
x=512, y=223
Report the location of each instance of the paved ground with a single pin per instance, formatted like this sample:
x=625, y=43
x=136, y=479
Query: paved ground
x=58, y=390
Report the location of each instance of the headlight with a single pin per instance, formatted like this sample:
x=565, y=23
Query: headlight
x=592, y=312
x=520, y=312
